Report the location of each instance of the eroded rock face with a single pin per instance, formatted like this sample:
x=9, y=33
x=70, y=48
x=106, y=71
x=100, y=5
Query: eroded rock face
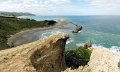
x=45, y=55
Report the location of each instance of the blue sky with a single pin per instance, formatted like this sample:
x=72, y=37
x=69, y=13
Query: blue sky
x=62, y=7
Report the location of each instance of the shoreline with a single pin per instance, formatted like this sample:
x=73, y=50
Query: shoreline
x=13, y=38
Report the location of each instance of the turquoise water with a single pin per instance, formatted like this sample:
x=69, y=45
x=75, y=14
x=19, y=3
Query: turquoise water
x=103, y=31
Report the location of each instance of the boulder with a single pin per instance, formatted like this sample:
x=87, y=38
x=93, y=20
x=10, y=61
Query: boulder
x=87, y=44
x=45, y=55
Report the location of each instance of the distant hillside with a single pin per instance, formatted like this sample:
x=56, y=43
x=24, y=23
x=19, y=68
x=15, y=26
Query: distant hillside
x=15, y=14
x=12, y=25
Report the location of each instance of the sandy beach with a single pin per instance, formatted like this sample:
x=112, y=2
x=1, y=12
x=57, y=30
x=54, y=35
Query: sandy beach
x=26, y=33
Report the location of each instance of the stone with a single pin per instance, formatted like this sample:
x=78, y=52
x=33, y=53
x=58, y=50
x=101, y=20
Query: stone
x=87, y=44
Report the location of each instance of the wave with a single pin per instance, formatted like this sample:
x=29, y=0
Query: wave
x=79, y=44
x=113, y=49
x=69, y=41
x=48, y=33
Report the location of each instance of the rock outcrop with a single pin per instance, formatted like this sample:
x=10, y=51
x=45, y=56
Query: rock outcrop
x=45, y=55
x=87, y=44
x=101, y=60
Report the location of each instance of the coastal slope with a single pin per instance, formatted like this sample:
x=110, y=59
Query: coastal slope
x=45, y=55
x=101, y=60
x=11, y=25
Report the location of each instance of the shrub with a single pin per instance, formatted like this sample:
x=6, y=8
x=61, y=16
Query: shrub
x=78, y=57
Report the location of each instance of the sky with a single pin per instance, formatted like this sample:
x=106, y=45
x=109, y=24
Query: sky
x=62, y=7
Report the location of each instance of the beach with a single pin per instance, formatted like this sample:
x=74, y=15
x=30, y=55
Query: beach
x=103, y=31
x=22, y=35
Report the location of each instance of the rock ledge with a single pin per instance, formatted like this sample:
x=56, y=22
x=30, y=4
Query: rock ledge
x=45, y=55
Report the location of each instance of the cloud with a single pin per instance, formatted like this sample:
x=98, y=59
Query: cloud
x=108, y=6
x=60, y=1
x=3, y=0
x=60, y=6
x=40, y=6
x=106, y=3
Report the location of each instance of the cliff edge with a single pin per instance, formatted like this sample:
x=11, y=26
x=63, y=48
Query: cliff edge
x=101, y=60
x=45, y=55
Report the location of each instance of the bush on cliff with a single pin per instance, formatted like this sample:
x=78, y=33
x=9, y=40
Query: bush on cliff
x=78, y=57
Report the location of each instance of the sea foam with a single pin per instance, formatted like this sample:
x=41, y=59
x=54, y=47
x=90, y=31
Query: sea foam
x=114, y=49
x=69, y=41
x=48, y=33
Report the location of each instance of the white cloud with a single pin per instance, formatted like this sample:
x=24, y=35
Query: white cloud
x=60, y=6
x=60, y=1
x=107, y=6
x=38, y=6
x=3, y=0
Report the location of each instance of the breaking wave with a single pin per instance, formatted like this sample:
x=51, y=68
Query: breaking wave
x=46, y=34
x=69, y=41
x=114, y=49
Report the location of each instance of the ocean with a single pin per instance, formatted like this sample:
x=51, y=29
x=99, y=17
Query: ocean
x=103, y=31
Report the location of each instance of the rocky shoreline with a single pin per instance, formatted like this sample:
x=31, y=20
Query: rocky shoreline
x=47, y=55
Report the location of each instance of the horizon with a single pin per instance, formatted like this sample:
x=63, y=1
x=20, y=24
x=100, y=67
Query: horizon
x=62, y=7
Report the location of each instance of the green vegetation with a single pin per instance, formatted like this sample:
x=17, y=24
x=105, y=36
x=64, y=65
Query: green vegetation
x=78, y=57
x=12, y=25
x=15, y=14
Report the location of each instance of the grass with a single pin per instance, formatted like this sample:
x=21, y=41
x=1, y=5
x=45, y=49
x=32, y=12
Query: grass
x=12, y=25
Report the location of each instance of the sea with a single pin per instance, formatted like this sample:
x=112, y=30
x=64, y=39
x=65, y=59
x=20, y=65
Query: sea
x=102, y=30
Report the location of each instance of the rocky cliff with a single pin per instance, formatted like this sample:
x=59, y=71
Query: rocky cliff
x=101, y=60
x=45, y=55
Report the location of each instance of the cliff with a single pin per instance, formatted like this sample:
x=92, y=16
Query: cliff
x=101, y=60
x=45, y=55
